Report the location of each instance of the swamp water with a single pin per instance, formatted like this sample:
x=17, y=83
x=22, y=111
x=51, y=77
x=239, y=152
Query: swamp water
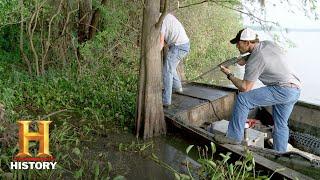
x=130, y=157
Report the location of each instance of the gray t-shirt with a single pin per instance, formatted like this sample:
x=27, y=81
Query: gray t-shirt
x=269, y=64
x=173, y=31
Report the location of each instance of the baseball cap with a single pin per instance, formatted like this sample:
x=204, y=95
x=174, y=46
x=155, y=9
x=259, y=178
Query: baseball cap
x=245, y=34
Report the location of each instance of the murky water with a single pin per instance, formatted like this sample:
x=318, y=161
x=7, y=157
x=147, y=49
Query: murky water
x=136, y=164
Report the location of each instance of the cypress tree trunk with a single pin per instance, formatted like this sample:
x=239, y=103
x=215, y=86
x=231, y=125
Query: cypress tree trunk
x=149, y=103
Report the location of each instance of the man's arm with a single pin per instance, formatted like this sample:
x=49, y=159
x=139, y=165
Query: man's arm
x=242, y=85
x=161, y=40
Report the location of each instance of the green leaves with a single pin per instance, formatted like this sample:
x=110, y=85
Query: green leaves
x=119, y=177
x=176, y=176
x=181, y=176
x=96, y=170
x=9, y=12
x=223, y=168
x=136, y=146
x=231, y=169
x=213, y=147
x=225, y=157
x=76, y=151
x=78, y=174
x=189, y=148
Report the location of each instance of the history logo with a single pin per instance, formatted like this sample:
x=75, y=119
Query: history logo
x=24, y=160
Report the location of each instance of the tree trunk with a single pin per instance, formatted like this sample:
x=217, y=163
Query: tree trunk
x=149, y=102
x=95, y=20
x=85, y=10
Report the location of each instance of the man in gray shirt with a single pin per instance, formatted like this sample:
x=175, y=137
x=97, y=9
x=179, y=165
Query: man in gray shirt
x=267, y=63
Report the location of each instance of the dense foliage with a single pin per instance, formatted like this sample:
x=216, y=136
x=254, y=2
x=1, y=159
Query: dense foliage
x=81, y=98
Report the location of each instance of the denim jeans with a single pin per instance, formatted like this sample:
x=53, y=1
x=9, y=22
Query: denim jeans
x=171, y=80
x=282, y=100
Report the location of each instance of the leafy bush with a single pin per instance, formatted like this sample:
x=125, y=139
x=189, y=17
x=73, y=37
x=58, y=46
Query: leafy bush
x=93, y=98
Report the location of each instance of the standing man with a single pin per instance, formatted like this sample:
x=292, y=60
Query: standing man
x=174, y=35
x=268, y=64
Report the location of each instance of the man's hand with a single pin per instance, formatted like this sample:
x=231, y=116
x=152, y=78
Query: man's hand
x=161, y=40
x=242, y=85
x=225, y=70
x=242, y=62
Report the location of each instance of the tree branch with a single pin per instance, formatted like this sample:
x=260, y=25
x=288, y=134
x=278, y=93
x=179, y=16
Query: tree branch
x=89, y=25
x=30, y=33
x=246, y=13
x=54, y=113
x=76, y=54
x=201, y=2
x=13, y=23
x=193, y=4
x=44, y=57
x=163, y=15
x=67, y=20
x=220, y=3
x=24, y=57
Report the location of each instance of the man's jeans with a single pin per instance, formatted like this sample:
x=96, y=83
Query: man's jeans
x=170, y=76
x=282, y=100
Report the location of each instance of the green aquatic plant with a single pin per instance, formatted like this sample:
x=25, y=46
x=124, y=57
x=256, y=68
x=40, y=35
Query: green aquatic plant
x=136, y=146
x=222, y=168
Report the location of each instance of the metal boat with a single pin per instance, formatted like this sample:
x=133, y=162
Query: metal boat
x=200, y=105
